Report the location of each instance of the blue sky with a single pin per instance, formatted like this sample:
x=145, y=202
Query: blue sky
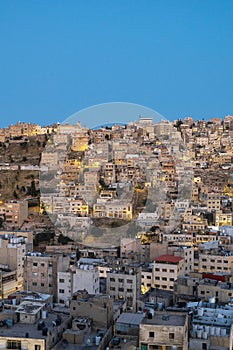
x=58, y=57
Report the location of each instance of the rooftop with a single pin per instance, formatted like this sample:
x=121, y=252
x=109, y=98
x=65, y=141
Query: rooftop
x=130, y=318
x=19, y=330
x=162, y=319
x=168, y=258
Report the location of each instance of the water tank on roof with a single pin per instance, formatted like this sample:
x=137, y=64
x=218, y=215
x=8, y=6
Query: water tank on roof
x=199, y=334
x=44, y=314
x=212, y=300
x=212, y=330
x=204, y=335
x=97, y=340
x=194, y=327
x=223, y=332
x=160, y=306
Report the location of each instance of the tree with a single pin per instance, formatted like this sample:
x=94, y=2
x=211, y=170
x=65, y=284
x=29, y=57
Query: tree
x=64, y=239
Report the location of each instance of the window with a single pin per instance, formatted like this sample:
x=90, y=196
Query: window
x=120, y=280
x=172, y=270
x=171, y=336
x=164, y=270
x=34, y=264
x=61, y=280
x=34, y=283
x=61, y=291
x=112, y=279
x=121, y=289
x=157, y=269
x=129, y=281
x=164, y=278
x=151, y=334
x=112, y=288
x=37, y=347
x=42, y=284
x=171, y=279
x=129, y=290
x=13, y=344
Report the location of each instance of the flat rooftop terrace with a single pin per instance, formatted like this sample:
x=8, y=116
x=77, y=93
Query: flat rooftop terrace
x=162, y=319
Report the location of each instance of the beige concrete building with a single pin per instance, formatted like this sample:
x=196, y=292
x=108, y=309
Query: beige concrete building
x=166, y=269
x=213, y=202
x=8, y=283
x=125, y=285
x=186, y=252
x=164, y=332
x=99, y=308
x=14, y=213
x=223, y=219
x=215, y=262
x=85, y=276
x=13, y=250
x=40, y=272
x=30, y=326
x=211, y=332
x=115, y=209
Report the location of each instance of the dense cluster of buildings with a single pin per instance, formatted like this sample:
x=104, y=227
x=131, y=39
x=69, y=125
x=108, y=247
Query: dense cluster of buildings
x=165, y=281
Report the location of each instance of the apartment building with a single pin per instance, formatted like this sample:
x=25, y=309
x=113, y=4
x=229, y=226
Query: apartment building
x=40, y=271
x=223, y=219
x=64, y=287
x=99, y=308
x=184, y=251
x=13, y=250
x=209, y=331
x=213, y=202
x=115, y=209
x=215, y=262
x=214, y=258
x=166, y=269
x=8, y=282
x=164, y=331
x=14, y=213
x=146, y=280
x=85, y=276
x=125, y=285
